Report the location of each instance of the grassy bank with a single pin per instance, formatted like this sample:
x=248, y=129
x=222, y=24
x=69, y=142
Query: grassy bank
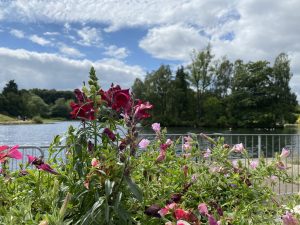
x=7, y=120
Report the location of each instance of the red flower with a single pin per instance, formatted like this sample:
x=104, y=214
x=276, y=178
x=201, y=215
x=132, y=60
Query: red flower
x=182, y=214
x=140, y=110
x=80, y=96
x=117, y=98
x=83, y=110
x=109, y=134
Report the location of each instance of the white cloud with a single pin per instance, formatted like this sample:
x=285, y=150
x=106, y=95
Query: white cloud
x=89, y=36
x=39, y=40
x=42, y=70
x=17, y=33
x=69, y=51
x=115, y=52
x=173, y=42
x=51, y=33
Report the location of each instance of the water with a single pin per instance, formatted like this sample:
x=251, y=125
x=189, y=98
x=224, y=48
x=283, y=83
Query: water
x=32, y=134
x=43, y=134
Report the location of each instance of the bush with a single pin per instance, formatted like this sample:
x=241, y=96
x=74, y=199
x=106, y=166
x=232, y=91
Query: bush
x=37, y=119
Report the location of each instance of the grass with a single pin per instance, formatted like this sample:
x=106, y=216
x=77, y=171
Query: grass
x=7, y=120
x=4, y=118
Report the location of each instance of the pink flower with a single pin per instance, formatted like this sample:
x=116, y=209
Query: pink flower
x=144, y=143
x=273, y=178
x=238, y=148
x=187, y=146
x=40, y=164
x=169, y=142
x=95, y=162
x=182, y=222
x=234, y=163
x=202, y=208
x=163, y=211
x=46, y=167
x=284, y=153
x=141, y=110
x=169, y=223
x=212, y=220
x=109, y=134
x=280, y=165
x=253, y=164
x=12, y=152
x=161, y=157
x=289, y=219
x=207, y=153
x=156, y=127
x=188, y=139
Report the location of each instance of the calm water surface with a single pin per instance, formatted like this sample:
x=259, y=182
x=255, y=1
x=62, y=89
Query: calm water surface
x=43, y=134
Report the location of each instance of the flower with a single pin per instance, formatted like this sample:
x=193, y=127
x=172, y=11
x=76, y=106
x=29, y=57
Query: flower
x=117, y=98
x=7, y=152
x=289, y=219
x=95, y=162
x=144, y=143
x=284, y=153
x=202, y=208
x=161, y=157
x=169, y=223
x=187, y=146
x=273, y=178
x=207, y=153
x=280, y=165
x=182, y=222
x=212, y=220
x=140, y=110
x=296, y=209
x=181, y=214
x=83, y=111
x=40, y=164
x=163, y=211
x=238, y=148
x=153, y=211
x=169, y=142
x=46, y=167
x=109, y=134
x=80, y=96
x=156, y=127
x=253, y=164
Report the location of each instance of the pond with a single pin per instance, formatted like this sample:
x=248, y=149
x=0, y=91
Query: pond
x=43, y=134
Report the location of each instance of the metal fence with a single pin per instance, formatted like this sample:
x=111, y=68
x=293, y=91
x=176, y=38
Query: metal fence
x=257, y=145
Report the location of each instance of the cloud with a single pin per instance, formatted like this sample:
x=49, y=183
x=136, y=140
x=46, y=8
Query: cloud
x=17, y=33
x=174, y=42
x=115, y=52
x=43, y=70
x=39, y=40
x=89, y=36
x=69, y=51
x=51, y=33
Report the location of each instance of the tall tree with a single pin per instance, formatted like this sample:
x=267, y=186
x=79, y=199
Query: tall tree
x=200, y=73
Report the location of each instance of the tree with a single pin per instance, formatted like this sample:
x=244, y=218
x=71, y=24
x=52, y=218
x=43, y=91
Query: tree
x=61, y=108
x=12, y=101
x=11, y=87
x=138, y=89
x=35, y=106
x=223, y=71
x=200, y=73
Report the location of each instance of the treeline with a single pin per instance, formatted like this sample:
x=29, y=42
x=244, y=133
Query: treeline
x=219, y=93
x=34, y=102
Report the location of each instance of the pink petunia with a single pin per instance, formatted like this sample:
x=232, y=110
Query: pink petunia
x=202, y=208
x=144, y=143
x=284, y=153
x=289, y=219
x=7, y=152
x=163, y=211
x=95, y=162
x=156, y=127
x=238, y=148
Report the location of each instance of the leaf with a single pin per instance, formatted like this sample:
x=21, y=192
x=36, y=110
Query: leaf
x=109, y=187
x=134, y=188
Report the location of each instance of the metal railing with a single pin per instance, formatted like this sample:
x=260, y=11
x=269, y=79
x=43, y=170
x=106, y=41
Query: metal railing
x=257, y=145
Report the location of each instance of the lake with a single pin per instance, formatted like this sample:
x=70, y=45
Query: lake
x=43, y=134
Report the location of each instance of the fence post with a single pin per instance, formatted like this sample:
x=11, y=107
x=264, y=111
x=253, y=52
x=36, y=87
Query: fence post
x=259, y=146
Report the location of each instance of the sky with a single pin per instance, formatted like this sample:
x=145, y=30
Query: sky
x=53, y=43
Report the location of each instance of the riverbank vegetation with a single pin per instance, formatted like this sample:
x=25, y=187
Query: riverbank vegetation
x=221, y=93
x=20, y=106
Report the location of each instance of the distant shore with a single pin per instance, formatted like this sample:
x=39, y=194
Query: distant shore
x=7, y=120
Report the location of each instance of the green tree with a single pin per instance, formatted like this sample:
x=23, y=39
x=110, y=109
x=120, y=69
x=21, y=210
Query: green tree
x=138, y=89
x=11, y=100
x=201, y=73
x=35, y=106
x=61, y=108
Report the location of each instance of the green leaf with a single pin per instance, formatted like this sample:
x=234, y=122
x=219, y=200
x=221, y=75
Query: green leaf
x=134, y=188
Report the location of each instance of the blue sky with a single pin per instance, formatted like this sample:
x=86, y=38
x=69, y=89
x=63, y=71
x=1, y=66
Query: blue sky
x=52, y=44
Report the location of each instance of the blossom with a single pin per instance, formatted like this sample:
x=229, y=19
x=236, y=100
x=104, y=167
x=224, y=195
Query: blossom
x=238, y=148
x=296, y=209
x=40, y=164
x=156, y=127
x=46, y=167
x=140, y=110
x=144, y=143
x=273, y=178
x=234, y=163
x=169, y=223
x=109, y=134
x=202, y=208
x=289, y=219
x=6, y=152
x=253, y=164
x=212, y=220
x=117, y=98
x=181, y=214
x=182, y=222
x=169, y=142
x=284, y=153
x=95, y=162
x=83, y=111
x=80, y=96
x=161, y=157
x=187, y=146
x=163, y=211
x=207, y=153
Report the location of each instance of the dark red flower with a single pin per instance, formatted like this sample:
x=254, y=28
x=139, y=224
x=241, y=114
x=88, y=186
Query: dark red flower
x=153, y=211
x=80, y=96
x=109, y=134
x=117, y=98
x=46, y=167
x=40, y=164
x=140, y=110
x=83, y=110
